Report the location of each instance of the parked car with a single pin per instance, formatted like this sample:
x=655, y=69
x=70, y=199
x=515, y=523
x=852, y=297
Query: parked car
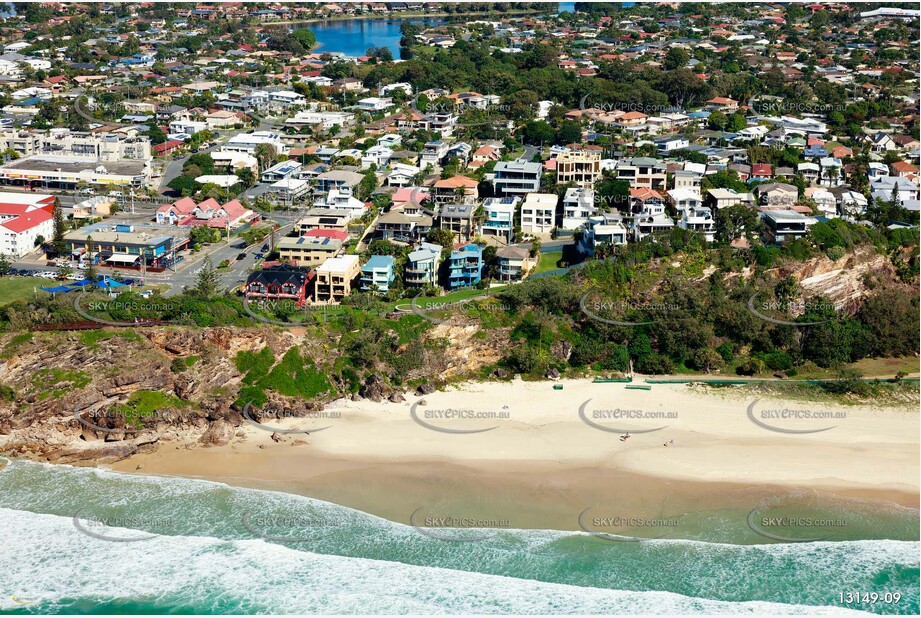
x=265, y=247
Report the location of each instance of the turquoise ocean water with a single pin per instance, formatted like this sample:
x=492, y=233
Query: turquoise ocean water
x=83, y=540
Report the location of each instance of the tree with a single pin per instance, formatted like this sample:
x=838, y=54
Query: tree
x=266, y=154
x=5, y=265
x=444, y=238
x=60, y=227
x=676, y=58
x=206, y=282
x=90, y=272
x=717, y=121
x=570, y=132
x=538, y=132
x=247, y=178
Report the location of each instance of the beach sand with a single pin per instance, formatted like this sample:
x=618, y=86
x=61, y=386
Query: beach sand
x=540, y=464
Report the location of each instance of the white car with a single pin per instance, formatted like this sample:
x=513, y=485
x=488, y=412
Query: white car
x=74, y=277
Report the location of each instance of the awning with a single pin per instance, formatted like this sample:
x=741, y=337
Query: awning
x=126, y=258
x=60, y=288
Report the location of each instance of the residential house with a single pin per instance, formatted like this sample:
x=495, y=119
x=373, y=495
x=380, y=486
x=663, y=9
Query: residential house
x=776, y=194
x=455, y=189
x=699, y=219
x=516, y=177
x=514, y=262
x=578, y=206
x=500, y=216
x=458, y=219
x=783, y=225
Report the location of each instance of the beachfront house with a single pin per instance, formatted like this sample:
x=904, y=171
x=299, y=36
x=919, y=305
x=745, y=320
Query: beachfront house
x=465, y=266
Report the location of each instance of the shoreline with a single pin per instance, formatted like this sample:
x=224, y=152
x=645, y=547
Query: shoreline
x=542, y=464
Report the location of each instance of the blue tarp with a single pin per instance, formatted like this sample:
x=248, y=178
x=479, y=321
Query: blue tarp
x=107, y=283
x=60, y=288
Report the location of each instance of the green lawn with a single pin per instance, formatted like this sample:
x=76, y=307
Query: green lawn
x=16, y=288
x=548, y=261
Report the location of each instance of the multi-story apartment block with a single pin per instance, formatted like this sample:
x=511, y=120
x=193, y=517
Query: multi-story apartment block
x=335, y=277
x=500, y=216
x=77, y=144
x=517, y=177
x=538, y=213
x=465, y=266
x=377, y=274
x=581, y=167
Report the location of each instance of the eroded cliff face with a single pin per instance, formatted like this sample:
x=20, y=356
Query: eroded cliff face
x=59, y=378
x=846, y=281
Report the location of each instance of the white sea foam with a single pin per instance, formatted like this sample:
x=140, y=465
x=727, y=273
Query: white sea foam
x=51, y=561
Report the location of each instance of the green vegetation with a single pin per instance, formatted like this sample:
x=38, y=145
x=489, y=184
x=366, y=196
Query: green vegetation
x=17, y=288
x=146, y=404
x=292, y=376
x=52, y=383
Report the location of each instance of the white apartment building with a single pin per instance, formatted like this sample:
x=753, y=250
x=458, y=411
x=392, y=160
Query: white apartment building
x=538, y=213
x=247, y=142
x=699, y=219
x=77, y=144
x=500, y=216
x=578, y=206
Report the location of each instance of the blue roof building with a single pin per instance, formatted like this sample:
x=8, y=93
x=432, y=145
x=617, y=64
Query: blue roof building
x=377, y=274
x=465, y=266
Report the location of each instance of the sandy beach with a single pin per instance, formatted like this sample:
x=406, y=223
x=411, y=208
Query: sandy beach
x=526, y=453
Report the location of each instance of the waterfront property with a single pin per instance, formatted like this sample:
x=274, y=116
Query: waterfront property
x=335, y=278
x=515, y=262
x=377, y=274
x=422, y=269
x=465, y=266
x=280, y=282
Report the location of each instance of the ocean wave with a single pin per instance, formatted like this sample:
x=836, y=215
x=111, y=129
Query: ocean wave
x=798, y=574
x=76, y=571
